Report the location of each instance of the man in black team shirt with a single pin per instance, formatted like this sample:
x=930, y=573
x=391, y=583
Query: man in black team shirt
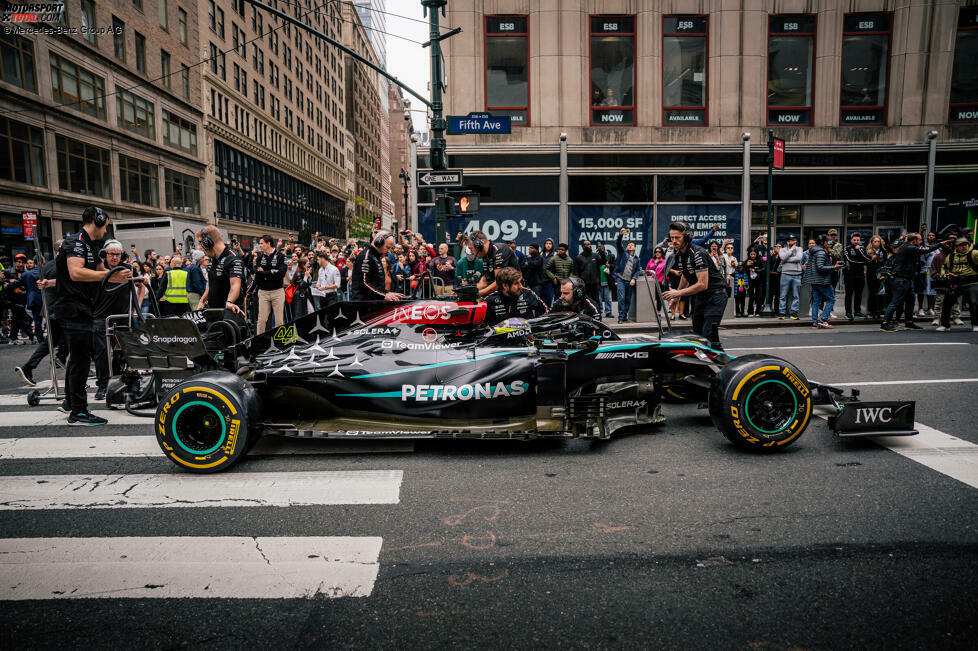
x=493, y=259
x=107, y=304
x=700, y=277
x=79, y=271
x=369, y=277
x=224, y=275
x=269, y=277
x=512, y=300
x=573, y=298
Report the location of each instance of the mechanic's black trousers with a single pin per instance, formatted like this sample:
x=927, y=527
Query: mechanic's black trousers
x=707, y=313
x=855, y=283
x=78, y=336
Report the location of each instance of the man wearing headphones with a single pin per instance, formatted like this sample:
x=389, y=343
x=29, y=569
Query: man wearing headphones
x=700, y=277
x=512, y=300
x=369, y=277
x=573, y=298
x=78, y=272
x=224, y=274
x=495, y=258
x=107, y=304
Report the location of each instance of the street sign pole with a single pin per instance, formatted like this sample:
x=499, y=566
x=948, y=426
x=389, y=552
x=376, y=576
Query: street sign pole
x=767, y=309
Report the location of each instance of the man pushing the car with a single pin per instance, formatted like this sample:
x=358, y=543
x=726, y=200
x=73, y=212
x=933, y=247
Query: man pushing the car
x=700, y=277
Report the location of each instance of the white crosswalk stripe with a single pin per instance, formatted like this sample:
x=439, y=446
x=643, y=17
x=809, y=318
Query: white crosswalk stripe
x=198, y=566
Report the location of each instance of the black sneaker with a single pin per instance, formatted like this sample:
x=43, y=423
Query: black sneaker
x=63, y=407
x=888, y=327
x=100, y=394
x=860, y=315
x=86, y=419
x=25, y=375
x=794, y=317
x=911, y=326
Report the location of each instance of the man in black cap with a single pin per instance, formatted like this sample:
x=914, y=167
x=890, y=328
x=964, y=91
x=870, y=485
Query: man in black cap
x=79, y=272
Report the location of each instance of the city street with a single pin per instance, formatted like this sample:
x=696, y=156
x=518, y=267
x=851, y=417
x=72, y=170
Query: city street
x=669, y=538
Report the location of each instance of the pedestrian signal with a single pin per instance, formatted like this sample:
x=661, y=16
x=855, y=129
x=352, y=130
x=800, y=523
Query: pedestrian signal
x=468, y=204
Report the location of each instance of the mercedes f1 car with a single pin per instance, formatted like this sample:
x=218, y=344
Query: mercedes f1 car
x=432, y=369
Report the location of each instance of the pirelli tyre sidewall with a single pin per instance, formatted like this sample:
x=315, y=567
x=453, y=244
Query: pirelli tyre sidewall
x=208, y=423
x=760, y=403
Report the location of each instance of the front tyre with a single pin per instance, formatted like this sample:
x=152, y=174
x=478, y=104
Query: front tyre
x=208, y=423
x=760, y=403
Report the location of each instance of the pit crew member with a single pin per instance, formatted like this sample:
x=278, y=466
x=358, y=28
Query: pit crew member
x=494, y=257
x=225, y=274
x=369, y=277
x=512, y=300
x=573, y=298
x=700, y=277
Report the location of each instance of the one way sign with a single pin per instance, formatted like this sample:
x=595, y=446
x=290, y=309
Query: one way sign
x=439, y=179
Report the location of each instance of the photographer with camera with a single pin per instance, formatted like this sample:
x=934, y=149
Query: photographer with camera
x=960, y=276
x=905, y=265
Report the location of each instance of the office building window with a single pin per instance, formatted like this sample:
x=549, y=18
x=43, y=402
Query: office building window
x=790, y=69
x=138, y=4
x=185, y=80
x=119, y=38
x=865, y=68
x=220, y=22
x=182, y=25
x=164, y=19
x=17, y=61
x=182, y=192
x=140, y=53
x=508, y=68
x=684, y=70
x=83, y=168
x=77, y=87
x=165, y=67
x=88, y=20
x=612, y=70
x=138, y=181
x=135, y=114
x=21, y=153
x=964, y=73
x=179, y=133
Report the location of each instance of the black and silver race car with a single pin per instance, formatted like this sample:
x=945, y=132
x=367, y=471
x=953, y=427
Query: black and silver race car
x=431, y=369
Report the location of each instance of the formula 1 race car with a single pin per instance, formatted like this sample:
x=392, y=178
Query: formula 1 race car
x=430, y=369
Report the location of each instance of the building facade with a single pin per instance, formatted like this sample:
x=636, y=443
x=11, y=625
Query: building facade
x=107, y=116
x=631, y=113
x=372, y=14
x=401, y=129
x=364, y=119
x=274, y=119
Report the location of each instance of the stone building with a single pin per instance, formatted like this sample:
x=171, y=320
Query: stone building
x=109, y=115
x=364, y=119
x=401, y=128
x=632, y=113
x=274, y=119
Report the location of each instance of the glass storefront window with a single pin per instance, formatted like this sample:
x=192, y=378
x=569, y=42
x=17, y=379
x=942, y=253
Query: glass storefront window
x=684, y=70
x=612, y=70
x=790, y=70
x=508, y=68
x=787, y=215
x=964, y=73
x=865, y=68
x=859, y=214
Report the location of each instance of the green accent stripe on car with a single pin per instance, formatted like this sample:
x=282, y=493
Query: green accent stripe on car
x=439, y=364
x=612, y=347
x=382, y=394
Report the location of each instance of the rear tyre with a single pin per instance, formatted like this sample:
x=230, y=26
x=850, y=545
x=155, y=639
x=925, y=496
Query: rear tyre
x=760, y=403
x=209, y=422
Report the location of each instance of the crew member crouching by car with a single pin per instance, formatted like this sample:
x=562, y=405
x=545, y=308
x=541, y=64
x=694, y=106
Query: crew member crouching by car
x=961, y=271
x=574, y=299
x=512, y=300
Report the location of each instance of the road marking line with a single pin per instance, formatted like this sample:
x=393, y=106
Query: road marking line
x=942, y=452
x=188, y=567
x=916, y=344
x=45, y=417
x=891, y=382
x=47, y=402
x=103, y=447
x=31, y=492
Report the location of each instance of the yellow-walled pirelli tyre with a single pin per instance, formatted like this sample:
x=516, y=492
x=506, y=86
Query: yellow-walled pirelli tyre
x=760, y=403
x=209, y=422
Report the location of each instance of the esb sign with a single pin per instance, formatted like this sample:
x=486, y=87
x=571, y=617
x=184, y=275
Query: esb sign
x=778, y=154
x=30, y=223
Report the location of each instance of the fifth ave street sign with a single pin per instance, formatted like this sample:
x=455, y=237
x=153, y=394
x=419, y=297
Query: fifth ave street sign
x=478, y=123
x=439, y=179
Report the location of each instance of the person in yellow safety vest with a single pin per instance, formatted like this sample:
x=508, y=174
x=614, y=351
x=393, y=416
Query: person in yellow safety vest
x=173, y=295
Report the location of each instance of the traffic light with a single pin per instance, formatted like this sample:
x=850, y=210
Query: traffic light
x=468, y=204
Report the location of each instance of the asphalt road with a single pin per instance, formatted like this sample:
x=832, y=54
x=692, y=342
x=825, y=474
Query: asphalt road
x=668, y=539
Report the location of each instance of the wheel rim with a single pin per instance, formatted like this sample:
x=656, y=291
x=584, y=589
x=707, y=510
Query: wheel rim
x=771, y=406
x=198, y=427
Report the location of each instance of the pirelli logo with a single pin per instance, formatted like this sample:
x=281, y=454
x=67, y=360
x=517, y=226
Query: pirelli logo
x=798, y=384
